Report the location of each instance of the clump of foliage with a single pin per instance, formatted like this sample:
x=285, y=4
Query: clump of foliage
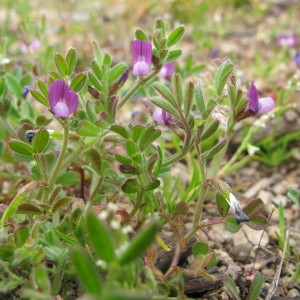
x=72, y=170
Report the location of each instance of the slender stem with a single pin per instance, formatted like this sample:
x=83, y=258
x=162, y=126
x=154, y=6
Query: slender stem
x=177, y=253
x=138, y=202
x=140, y=81
x=59, y=162
x=238, y=151
x=40, y=166
x=97, y=187
x=177, y=156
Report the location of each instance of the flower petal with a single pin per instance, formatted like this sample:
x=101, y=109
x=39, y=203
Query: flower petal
x=161, y=116
x=61, y=110
x=253, y=97
x=265, y=105
x=62, y=99
x=141, y=52
x=141, y=69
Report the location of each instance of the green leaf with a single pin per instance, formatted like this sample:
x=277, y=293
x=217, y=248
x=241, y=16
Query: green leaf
x=232, y=225
x=60, y=203
x=68, y=178
x=175, y=36
x=200, y=248
x=39, y=97
x=160, y=24
x=60, y=64
x=86, y=273
x=28, y=209
x=254, y=207
x=121, y=130
x=97, y=52
x=140, y=35
x=107, y=60
x=116, y=71
x=130, y=186
x=216, y=149
x=256, y=287
x=43, y=88
x=177, y=89
x=222, y=75
x=95, y=81
x=131, y=148
x=86, y=128
x=222, y=204
x=229, y=283
x=173, y=55
x=71, y=60
x=152, y=185
x=136, y=132
x=188, y=98
x=165, y=92
x=65, y=237
x=78, y=82
x=101, y=238
x=123, y=159
x=258, y=222
x=213, y=127
x=21, y=235
x=41, y=279
x=165, y=105
x=139, y=243
x=40, y=141
x=20, y=147
x=149, y=136
x=96, y=160
x=13, y=85
x=54, y=76
x=199, y=98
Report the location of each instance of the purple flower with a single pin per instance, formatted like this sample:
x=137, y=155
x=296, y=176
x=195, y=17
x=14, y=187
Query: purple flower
x=63, y=100
x=296, y=59
x=259, y=105
x=288, y=41
x=167, y=70
x=142, y=57
x=161, y=116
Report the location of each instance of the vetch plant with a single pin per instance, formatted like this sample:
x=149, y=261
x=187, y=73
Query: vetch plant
x=67, y=222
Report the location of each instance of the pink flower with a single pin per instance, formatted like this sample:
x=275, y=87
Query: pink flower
x=259, y=105
x=161, y=116
x=142, y=57
x=288, y=41
x=63, y=100
x=167, y=70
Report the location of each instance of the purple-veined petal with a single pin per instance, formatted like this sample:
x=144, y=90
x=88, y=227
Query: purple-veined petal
x=142, y=57
x=253, y=97
x=161, y=116
x=62, y=99
x=140, y=69
x=265, y=105
x=167, y=70
x=61, y=110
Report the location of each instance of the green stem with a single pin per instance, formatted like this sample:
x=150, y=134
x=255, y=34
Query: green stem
x=40, y=166
x=237, y=153
x=138, y=202
x=59, y=162
x=140, y=81
x=177, y=156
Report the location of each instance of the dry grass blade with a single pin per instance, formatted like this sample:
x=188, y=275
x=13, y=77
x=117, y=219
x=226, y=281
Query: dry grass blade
x=274, y=284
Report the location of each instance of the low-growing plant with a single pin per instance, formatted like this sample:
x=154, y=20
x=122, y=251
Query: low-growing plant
x=92, y=193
